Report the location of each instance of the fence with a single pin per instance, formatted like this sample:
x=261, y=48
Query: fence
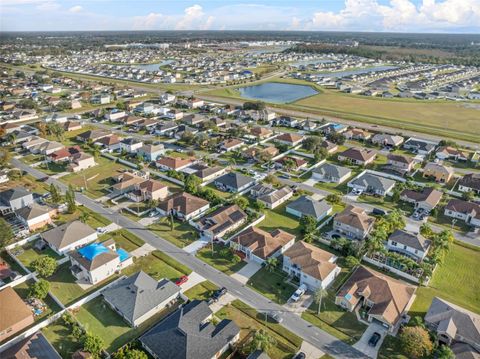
x=22, y=242
x=255, y=222
x=394, y=270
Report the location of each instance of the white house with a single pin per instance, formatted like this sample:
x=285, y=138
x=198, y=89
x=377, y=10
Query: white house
x=131, y=145
x=69, y=236
x=413, y=245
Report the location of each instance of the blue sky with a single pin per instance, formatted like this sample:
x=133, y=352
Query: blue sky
x=457, y=16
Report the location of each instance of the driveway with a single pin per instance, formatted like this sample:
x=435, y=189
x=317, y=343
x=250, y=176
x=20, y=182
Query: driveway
x=224, y=300
x=143, y=250
x=193, y=279
x=301, y=305
x=244, y=274
x=311, y=352
x=362, y=344
x=192, y=248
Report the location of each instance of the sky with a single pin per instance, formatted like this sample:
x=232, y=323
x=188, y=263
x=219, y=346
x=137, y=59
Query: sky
x=440, y=16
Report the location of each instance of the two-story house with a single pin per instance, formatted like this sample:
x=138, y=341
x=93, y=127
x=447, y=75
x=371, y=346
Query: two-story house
x=353, y=222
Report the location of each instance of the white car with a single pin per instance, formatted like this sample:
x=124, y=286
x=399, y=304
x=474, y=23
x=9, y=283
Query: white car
x=298, y=293
x=101, y=230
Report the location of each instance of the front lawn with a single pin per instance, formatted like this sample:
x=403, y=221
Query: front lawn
x=93, y=219
x=272, y=285
x=391, y=349
x=278, y=218
x=201, y=291
x=30, y=254
x=154, y=267
x=182, y=234
x=224, y=264
x=456, y=281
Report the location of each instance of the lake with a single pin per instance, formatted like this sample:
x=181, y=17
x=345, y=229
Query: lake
x=152, y=67
x=311, y=62
x=277, y=92
x=355, y=72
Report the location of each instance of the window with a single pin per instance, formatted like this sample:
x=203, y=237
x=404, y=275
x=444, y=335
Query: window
x=404, y=247
x=394, y=243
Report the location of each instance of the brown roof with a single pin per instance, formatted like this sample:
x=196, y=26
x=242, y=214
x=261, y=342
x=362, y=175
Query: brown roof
x=289, y=137
x=359, y=154
x=438, y=168
x=223, y=218
x=461, y=206
x=12, y=309
x=183, y=202
x=451, y=151
x=174, y=162
x=126, y=180
x=400, y=158
x=232, y=142
x=471, y=180
x=271, y=150
x=152, y=185
x=355, y=217
x=390, y=297
x=263, y=244
x=428, y=194
x=312, y=260
x=260, y=131
x=109, y=140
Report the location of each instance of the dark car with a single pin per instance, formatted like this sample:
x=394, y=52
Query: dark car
x=374, y=339
x=219, y=293
x=379, y=212
x=300, y=355
x=274, y=317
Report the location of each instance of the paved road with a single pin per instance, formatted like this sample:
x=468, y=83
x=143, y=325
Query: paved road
x=293, y=322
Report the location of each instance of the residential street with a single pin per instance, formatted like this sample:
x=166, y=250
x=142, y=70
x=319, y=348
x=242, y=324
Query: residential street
x=293, y=322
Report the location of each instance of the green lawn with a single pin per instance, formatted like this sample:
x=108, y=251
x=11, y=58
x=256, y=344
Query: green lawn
x=250, y=320
x=224, y=264
x=391, y=349
x=94, y=219
x=272, y=285
x=31, y=158
x=278, y=218
x=123, y=239
x=30, y=254
x=97, y=317
x=182, y=235
x=201, y=291
x=52, y=307
x=456, y=281
x=154, y=267
x=52, y=168
x=61, y=338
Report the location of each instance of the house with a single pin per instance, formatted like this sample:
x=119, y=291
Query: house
x=293, y=163
x=139, y=297
x=399, y=163
x=307, y=206
x=357, y=156
x=427, y=199
x=34, y=142
x=353, y=222
x=289, y=139
x=130, y=145
x=46, y=147
x=261, y=132
x=126, y=181
x=35, y=346
x=115, y=115
x=148, y=190
x=15, y=198
x=72, y=126
x=231, y=144
x=221, y=221
x=167, y=98
x=372, y=184
x=276, y=197
x=451, y=153
x=97, y=261
x=151, y=152
x=329, y=146
x=313, y=266
x=470, y=182
x=259, y=245
x=34, y=216
x=111, y=143
x=387, y=140
x=420, y=146
x=15, y=315
x=233, y=182
x=183, y=206
x=413, y=245
x=193, y=119
x=357, y=134
x=188, y=333
x=206, y=173
x=195, y=103
x=168, y=163
x=101, y=99
x=384, y=299
x=69, y=236
x=328, y=172
x=3, y=177
x=469, y=212
x=92, y=135
x=455, y=326
x=438, y=172
x=81, y=161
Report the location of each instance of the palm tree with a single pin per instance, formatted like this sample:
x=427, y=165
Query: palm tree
x=271, y=263
x=320, y=293
x=261, y=341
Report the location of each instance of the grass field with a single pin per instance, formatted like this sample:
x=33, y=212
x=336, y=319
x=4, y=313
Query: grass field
x=224, y=264
x=456, y=281
x=278, y=218
x=272, y=285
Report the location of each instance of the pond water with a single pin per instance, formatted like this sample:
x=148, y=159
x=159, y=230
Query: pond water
x=356, y=72
x=311, y=62
x=277, y=92
x=152, y=67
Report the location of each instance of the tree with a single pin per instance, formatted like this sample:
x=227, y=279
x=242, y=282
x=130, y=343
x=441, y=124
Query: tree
x=39, y=289
x=308, y=237
x=45, y=266
x=4, y=157
x=271, y=263
x=121, y=105
x=84, y=216
x=426, y=230
x=333, y=198
x=241, y=202
x=93, y=344
x=261, y=341
x=128, y=353
x=77, y=331
x=352, y=261
x=444, y=352
x=236, y=259
x=318, y=296
x=192, y=184
x=468, y=196
x=416, y=342
x=70, y=199
x=336, y=137
x=6, y=233
x=308, y=224
x=54, y=192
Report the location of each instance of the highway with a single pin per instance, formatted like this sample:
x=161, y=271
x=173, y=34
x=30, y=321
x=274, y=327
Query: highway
x=313, y=335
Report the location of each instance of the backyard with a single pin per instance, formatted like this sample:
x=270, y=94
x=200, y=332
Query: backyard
x=219, y=260
x=123, y=239
x=279, y=219
x=30, y=254
x=272, y=285
x=60, y=336
x=93, y=219
x=182, y=234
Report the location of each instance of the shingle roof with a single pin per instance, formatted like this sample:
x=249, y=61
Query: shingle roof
x=471, y=180
x=13, y=194
x=35, y=346
x=330, y=170
x=377, y=182
x=276, y=195
x=359, y=154
x=67, y=234
x=355, y=217
x=307, y=206
x=263, y=244
x=222, y=218
x=311, y=260
x=12, y=309
x=428, y=194
x=413, y=240
x=183, y=202
x=234, y=180
x=33, y=211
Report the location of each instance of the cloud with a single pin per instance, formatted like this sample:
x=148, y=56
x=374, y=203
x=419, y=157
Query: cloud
x=48, y=6
x=194, y=18
x=147, y=22
x=75, y=9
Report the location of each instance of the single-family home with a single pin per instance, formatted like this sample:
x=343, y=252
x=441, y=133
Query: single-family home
x=115, y=115
x=413, y=245
x=183, y=206
x=427, y=199
x=469, y=212
x=72, y=126
x=233, y=182
x=111, y=143
x=148, y=190
x=276, y=197
x=329, y=146
x=207, y=173
x=98, y=261
x=387, y=140
x=328, y=172
x=420, y=146
x=15, y=198
x=130, y=145
x=188, y=333
x=173, y=163
x=64, y=154
x=357, y=156
x=221, y=221
x=151, y=151
x=470, y=182
x=311, y=265
x=384, y=299
x=69, y=236
x=357, y=134
x=399, y=163
x=15, y=315
x=353, y=222
x=34, y=346
x=261, y=132
x=259, y=245
x=231, y=144
x=139, y=297
x=451, y=153
x=307, y=206
x=92, y=135
x=126, y=181
x=438, y=172
x=289, y=139
x=373, y=184
x=81, y=161
x=35, y=216
x=293, y=163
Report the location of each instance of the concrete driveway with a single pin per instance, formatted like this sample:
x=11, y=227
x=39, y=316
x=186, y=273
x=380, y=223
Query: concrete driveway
x=310, y=351
x=301, y=305
x=362, y=344
x=193, y=279
x=224, y=300
x=244, y=274
x=192, y=248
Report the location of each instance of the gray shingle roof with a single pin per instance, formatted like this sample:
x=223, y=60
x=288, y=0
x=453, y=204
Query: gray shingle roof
x=234, y=180
x=329, y=170
x=183, y=335
x=67, y=234
x=416, y=241
x=310, y=207
x=13, y=194
x=377, y=182
x=138, y=294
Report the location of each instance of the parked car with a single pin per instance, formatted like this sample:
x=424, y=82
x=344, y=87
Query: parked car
x=300, y=355
x=379, y=211
x=274, y=317
x=219, y=293
x=374, y=339
x=298, y=293
x=357, y=192
x=101, y=230
x=181, y=280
